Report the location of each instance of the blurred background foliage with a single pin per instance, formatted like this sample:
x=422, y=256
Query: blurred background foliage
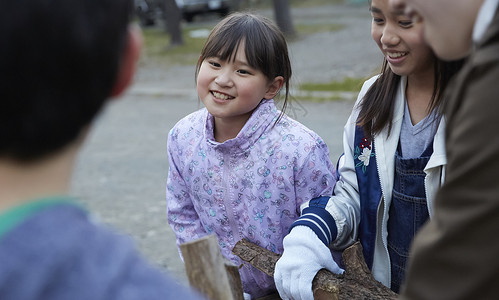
x=159, y=52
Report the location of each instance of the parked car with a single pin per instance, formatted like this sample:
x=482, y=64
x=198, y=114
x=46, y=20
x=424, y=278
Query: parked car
x=191, y=8
x=148, y=11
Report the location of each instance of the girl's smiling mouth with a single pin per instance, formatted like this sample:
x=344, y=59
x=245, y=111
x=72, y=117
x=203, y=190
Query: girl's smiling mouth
x=221, y=96
x=395, y=57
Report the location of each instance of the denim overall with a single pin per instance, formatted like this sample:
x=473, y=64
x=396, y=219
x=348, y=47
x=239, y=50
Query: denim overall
x=408, y=210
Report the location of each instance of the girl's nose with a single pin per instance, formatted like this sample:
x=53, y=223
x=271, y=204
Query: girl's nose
x=390, y=36
x=224, y=79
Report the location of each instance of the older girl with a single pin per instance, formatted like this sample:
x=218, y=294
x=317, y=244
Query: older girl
x=393, y=164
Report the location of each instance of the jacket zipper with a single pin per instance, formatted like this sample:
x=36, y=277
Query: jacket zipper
x=228, y=199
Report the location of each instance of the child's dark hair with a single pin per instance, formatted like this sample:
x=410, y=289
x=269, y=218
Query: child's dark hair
x=59, y=60
x=377, y=105
x=265, y=46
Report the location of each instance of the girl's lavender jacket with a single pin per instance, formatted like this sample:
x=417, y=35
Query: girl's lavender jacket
x=250, y=187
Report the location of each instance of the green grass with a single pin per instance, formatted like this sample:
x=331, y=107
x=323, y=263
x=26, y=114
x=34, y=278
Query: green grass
x=347, y=89
x=348, y=84
x=306, y=98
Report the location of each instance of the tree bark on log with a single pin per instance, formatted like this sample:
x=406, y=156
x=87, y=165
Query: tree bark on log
x=356, y=283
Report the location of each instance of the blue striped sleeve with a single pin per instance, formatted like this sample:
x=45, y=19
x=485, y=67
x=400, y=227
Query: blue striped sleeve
x=317, y=218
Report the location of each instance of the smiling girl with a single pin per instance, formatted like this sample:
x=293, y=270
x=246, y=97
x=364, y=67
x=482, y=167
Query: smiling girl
x=393, y=164
x=239, y=168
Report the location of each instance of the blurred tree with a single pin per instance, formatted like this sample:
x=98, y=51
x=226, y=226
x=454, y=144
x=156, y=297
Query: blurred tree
x=283, y=18
x=173, y=16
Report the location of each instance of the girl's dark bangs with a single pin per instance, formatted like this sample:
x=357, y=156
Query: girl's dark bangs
x=254, y=48
x=224, y=45
x=258, y=45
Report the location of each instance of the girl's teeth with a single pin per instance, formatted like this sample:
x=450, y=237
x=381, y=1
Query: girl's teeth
x=221, y=96
x=397, y=55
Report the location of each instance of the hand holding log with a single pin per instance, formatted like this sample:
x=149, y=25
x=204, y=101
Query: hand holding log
x=356, y=283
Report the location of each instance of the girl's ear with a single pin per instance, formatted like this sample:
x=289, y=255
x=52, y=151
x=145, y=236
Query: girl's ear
x=274, y=87
x=130, y=56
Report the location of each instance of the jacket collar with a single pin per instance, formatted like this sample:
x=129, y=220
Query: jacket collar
x=262, y=118
x=386, y=144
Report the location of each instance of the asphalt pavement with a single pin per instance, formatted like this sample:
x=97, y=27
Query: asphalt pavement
x=121, y=172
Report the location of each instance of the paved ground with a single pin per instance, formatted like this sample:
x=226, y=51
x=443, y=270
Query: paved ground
x=122, y=170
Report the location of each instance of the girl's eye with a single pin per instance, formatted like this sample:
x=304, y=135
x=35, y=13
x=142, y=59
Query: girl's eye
x=378, y=20
x=405, y=24
x=214, y=64
x=244, y=72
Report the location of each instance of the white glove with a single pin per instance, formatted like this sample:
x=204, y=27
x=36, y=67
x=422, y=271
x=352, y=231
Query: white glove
x=304, y=255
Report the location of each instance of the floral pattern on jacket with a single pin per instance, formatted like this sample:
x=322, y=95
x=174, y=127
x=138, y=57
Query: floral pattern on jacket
x=249, y=187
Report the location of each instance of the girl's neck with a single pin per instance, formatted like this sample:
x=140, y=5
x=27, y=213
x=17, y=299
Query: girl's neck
x=419, y=91
x=227, y=128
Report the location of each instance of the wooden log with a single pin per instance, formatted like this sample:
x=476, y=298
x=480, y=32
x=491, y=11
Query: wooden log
x=234, y=280
x=208, y=271
x=356, y=283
